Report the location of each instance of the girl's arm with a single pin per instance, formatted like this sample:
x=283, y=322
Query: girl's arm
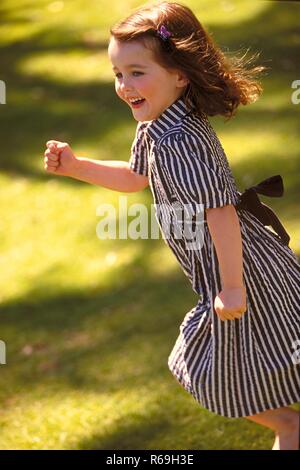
x=115, y=175
x=224, y=227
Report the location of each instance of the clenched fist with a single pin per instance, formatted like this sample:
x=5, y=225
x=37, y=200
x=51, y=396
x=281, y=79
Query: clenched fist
x=231, y=303
x=59, y=158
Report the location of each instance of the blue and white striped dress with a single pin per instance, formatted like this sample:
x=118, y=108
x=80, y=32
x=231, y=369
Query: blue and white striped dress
x=244, y=366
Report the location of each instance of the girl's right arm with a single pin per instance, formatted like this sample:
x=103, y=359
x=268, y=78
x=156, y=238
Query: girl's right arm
x=115, y=175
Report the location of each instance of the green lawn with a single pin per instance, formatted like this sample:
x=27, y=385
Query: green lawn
x=89, y=323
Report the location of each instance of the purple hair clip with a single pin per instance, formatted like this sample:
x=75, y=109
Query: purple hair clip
x=163, y=33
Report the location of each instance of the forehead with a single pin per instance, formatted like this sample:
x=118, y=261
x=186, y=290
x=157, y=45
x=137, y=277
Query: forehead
x=126, y=54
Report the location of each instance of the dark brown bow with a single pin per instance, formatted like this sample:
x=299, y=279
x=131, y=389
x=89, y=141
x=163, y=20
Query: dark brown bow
x=272, y=187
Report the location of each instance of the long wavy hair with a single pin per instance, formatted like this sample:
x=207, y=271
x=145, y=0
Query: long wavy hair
x=218, y=83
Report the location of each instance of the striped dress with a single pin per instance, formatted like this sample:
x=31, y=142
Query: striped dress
x=244, y=366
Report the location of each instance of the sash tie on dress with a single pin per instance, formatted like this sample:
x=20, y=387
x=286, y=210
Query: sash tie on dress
x=249, y=200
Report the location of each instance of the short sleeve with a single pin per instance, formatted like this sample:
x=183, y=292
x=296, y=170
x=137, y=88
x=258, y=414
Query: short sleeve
x=194, y=172
x=138, y=161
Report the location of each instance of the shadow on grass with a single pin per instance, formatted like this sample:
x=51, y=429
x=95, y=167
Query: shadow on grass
x=131, y=435
x=125, y=435
x=81, y=339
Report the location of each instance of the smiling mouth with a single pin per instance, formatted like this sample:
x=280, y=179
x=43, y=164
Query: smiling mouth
x=137, y=104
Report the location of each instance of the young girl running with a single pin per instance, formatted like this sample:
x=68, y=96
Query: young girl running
x=237, y=351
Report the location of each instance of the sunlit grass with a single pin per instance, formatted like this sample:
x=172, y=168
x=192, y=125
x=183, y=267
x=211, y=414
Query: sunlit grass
x=68, y=417
x=68, y=68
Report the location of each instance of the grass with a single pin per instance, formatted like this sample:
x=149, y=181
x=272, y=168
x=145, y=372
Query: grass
x=89, y=323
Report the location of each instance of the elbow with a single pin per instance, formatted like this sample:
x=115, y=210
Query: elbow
x=143, y=183
x=140, y=182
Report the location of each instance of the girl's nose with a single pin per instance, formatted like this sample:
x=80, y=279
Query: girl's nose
x=126, y=86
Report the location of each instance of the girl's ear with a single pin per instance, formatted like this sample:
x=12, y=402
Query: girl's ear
x=182, y=79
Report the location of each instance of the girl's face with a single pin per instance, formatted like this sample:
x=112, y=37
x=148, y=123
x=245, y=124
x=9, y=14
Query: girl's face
x=139, y=76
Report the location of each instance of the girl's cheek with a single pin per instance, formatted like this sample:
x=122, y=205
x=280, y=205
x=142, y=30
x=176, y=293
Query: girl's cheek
x=144, y=85
x=118, y=90
x=142, y=81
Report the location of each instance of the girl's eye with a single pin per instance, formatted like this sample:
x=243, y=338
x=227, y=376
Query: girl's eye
x=140, y=73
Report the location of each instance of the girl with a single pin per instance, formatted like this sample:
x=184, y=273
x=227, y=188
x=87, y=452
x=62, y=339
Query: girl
x=235, y=352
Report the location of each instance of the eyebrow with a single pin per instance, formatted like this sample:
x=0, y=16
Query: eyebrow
x=133, y=65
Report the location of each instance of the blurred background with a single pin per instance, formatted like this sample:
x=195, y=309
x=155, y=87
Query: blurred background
x=88, y=324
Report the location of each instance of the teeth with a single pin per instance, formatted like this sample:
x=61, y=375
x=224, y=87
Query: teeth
x=135, y=100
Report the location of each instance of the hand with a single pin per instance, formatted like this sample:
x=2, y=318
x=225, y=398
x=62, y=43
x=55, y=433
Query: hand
x=231, y=303
x=59, y=158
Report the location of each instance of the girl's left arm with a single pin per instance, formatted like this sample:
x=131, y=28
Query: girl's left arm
x=224, y=227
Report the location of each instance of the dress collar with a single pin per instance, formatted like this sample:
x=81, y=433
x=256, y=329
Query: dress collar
x=168, y=119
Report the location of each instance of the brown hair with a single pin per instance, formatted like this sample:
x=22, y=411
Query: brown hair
x=217, y=84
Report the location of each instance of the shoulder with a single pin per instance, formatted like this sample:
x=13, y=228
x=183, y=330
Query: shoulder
x=177, y=148
x=187, y=136
x=192, y=129
x=191, y=143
